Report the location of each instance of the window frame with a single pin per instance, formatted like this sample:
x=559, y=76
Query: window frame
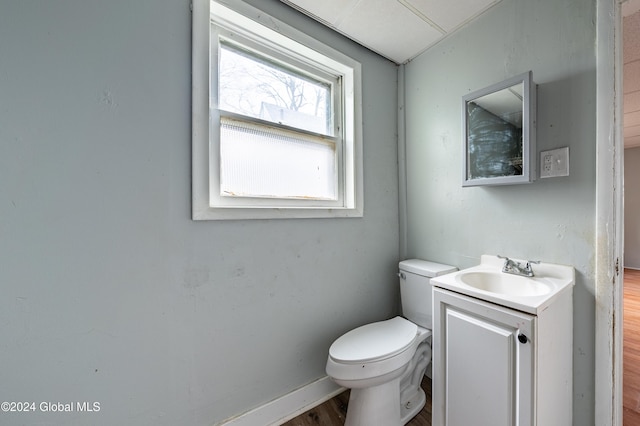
x=250, y=25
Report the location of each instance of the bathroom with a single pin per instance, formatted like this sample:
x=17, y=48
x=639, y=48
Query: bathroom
x=113, y=294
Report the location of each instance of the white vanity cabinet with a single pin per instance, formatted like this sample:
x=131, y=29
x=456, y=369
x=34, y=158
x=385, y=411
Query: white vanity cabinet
x=498, y=366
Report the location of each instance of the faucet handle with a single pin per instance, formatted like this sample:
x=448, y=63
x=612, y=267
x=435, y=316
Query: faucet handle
x=536, y=262
x=507, y=262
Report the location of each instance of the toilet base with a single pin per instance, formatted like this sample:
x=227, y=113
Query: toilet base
x=375, y=405
x=411, y=408
x=395, y=402
x=380, y=405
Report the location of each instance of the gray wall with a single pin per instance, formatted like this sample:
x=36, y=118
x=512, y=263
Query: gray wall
x=110, y=292
x=632, y=208
x=552, y=219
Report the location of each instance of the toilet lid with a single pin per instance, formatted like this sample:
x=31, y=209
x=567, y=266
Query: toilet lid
x=374, y=341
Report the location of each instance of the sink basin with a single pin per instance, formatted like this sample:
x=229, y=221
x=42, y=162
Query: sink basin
x=487, y=282
x=501, y=283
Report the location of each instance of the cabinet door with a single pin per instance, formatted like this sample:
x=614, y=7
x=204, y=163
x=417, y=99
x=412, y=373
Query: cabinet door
x=483, y=361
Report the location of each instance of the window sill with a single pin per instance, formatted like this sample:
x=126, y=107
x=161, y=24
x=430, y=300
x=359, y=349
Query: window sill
x=234, y=213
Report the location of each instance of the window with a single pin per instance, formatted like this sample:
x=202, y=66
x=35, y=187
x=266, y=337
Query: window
x=282, y=137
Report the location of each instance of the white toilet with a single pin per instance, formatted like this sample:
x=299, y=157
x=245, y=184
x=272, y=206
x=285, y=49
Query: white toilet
x=383, y=362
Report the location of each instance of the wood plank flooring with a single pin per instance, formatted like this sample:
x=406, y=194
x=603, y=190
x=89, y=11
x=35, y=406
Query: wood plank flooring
x=334, y=411
x=631, y=348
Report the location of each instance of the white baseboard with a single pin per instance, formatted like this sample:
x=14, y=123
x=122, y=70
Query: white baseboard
x=288, y=406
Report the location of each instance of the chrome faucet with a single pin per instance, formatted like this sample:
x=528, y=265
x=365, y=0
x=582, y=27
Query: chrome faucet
x=516, y=268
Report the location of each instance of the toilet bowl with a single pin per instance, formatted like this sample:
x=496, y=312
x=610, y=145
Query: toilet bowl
x=383, y=362
x=373, y=361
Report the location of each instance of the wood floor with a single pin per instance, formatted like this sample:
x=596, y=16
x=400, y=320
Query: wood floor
x=334, y=411
x=631, y=350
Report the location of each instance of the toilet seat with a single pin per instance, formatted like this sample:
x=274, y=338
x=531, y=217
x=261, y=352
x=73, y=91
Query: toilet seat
x=374, y=342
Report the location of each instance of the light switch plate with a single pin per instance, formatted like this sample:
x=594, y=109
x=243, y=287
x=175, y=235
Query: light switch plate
x=554, y=163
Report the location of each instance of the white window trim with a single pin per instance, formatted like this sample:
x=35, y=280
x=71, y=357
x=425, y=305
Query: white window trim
x=254, y=20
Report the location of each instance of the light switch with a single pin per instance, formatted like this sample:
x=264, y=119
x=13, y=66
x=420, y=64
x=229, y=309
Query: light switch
x=554, y=163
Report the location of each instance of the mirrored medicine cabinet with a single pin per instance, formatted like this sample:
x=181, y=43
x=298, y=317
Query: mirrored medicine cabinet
x=499, y=140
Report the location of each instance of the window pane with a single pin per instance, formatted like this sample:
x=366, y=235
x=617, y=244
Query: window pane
x=257, y=87
x=259, y=161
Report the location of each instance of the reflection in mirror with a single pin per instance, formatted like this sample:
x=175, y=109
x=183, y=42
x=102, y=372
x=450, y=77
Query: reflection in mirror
x=494, y=129
x=498, y=142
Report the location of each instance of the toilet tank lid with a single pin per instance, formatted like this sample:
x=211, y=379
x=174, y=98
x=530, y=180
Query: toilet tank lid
x=425, y=267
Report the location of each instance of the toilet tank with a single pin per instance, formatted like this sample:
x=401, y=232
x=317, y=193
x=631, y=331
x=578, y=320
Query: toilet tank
x=415, y=289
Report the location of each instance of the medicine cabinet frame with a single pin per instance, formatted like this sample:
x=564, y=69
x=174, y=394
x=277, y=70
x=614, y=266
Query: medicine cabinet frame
x=499, y=133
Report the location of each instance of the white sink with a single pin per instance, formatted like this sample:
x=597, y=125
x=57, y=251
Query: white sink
x=501, y=283
x=529, y=294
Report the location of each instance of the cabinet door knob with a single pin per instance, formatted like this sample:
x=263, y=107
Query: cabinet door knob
x=522, y=338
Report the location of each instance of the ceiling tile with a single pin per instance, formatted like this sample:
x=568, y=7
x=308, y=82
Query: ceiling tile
x=450, y=14
x=632, y=119
x=389, y=28
x=329, y=11
x=396, y=29
x=631, y=77
x=632, y=141
x=631, y=131
x=631, y=38
x=631, y=102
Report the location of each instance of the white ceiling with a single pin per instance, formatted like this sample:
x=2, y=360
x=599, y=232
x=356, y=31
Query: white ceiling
x=396, y=29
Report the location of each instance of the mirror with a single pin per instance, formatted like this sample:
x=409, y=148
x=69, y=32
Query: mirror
x=499, y=133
